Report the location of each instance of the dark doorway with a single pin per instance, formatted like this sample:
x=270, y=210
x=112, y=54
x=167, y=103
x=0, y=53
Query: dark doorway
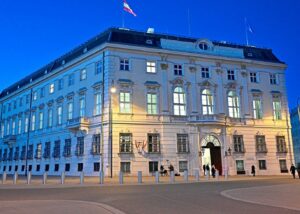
x=215, y=155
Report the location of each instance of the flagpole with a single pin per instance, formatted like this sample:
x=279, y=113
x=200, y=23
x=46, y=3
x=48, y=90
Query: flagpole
x=123, y=19
x=189, y=22
x=246, y=31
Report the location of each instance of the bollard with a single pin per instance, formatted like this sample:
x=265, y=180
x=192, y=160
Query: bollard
x=207, y=175
x=3, y=177
x=172, y=177
x=101, y=177
x=140, y=179
x=45, y=178
x=62, y=179
x=15, y=178
x=186, y=176
x=217, y=175
x=29, y=178
x=82, y=178
x=120, y=177
x=157, y=177
x=197, y=177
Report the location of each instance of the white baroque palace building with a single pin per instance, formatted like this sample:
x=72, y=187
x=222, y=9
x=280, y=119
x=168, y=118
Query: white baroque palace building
x=133, y=101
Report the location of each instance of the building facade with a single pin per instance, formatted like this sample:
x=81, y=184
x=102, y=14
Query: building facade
x=295, y=121
x=133, y=101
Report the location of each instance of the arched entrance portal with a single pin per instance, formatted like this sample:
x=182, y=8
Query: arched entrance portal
x=211, y=152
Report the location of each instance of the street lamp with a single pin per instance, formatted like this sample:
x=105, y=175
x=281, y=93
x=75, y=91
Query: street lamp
x=227, y=153
x=113, y=90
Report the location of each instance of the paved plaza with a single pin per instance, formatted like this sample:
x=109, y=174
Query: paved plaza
x=235, y=195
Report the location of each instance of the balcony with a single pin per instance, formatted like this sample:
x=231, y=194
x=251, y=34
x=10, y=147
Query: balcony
x=78, y=124
x=213, y=118
x=10, y=139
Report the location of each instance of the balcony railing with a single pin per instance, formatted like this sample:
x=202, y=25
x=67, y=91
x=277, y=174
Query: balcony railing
x=79, y=124
x=213, y=118
x=10, y=139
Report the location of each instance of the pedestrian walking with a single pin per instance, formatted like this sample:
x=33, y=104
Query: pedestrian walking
x=204, y=168
x=207, y=170
x=293, y=171
x=213, y=171
x=253, y=170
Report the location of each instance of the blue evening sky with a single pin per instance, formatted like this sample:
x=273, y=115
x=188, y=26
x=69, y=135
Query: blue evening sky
x=34, y=32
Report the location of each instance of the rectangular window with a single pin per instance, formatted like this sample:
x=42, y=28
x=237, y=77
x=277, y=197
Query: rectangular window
x=56, y=151
x=283, y=166
x=42, y=92
x=153, y=166
x=60, y=84
x=178, y=70
x=17, y=153
x=41, y=120
x=2, y=130
x=98, y=67
x=205, y=72
x=67, y=167
x=8, y=128
x=21, y=101
x=261, y=146
x=26, y=124
x=151, y=103
x=230, y=75
x=238, y=143
x=153, y=143
x=125, y=102
x=67, y=148
x=262, y=164
x=82, y=106
x=240, y=167
x=35, y=95
x=96, y=144
x=27, y=98
x=79, y=167
x=257, y=108
x=38, y=168
x=183, y=166
x=20, y=126
x=33, y=122
x=125, y=167
x=280, y=144
x=97, y=102
x=51, y=88
x=23, y=153
x=273, y=79
x=83, y=74
x=125, y=143
x=253, y=77
x=56, y=167
x=47, y=167
x=38, y=153
x=80, y=146
x=47, y=150
x=71, y=79
x=70, y=111
x=151, y=67
x=13, y=127
x=182, y=143
x=10, y=154
x=30, y=152
x=124, y=65
x=50, y=118
x=96, y=167
x=277, y=109
x=59, y=115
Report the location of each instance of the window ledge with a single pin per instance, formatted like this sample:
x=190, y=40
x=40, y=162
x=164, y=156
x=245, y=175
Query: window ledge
x=125, y=153
x=182, y=153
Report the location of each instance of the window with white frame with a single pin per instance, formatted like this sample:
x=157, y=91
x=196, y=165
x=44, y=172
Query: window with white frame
x=60, y=84
x=26, y=124
x=253, y=77
x=262, y=164
x=257, y=108
x=96, y=144
x=205, y=72
x=182, y=143
x=59, y=115
x=233, y=104
x=273, y=79
x=51, y=88
x=125, y=142
x=38, y=154
x=70, y=111
x=230, y=74
x=125, y=102
x=179, y=102
x=277, y=108
x=20, y=126
x=71, y=79
x=238, y=143
x=183, y=166
x=124, y=64
x=67, y=147
x=41, y=120
x=151, y=67
x=261, y=144
x=7, y=127
x=153, y=143
x=125, y=167
x=97, y=103
x=27, y=98
x=50, y=117
x=98, y=67
x=79, y=146
x=82, y=106
x=178, y=70
x=33, y=121
x=280, y=144
x=83, y=74
x=240, y=166
x=35, y=95
x=151, y=103
x=2, y=130
x=13, y=127
x=283, y=166
x=207, y=102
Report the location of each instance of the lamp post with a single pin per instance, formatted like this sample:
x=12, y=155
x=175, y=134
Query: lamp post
x=227, y=153
x=112, y=91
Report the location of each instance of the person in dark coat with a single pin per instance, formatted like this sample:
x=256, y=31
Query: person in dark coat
x=253, y=170
x=207, y=169
x=293, y=171
x=204, y=168
x=213, y=171
x=171, y=168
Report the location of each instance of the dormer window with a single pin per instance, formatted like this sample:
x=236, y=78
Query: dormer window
x=203, y=46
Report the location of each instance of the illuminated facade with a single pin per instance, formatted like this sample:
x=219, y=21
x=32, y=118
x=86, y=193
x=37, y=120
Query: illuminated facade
x=295, y=121
x=180, y=101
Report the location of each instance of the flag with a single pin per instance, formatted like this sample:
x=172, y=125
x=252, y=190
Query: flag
x=127, y=8
x=250, y=29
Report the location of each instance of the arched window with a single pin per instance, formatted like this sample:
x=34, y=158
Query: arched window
x=207, y=102
x=179, y=102
x=233, y=105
